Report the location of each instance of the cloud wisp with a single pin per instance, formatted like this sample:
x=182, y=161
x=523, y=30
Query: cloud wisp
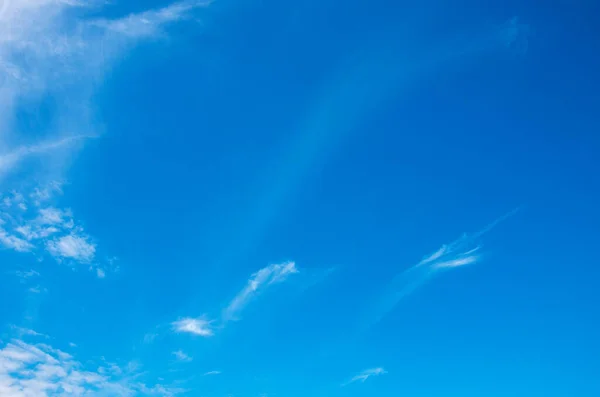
x=256, y=284
x=196, y=326
x=466, y=250
x=52, y=49
x=11, y=159
x=345, y=102
x=30, y=222
x=27, y=332
x=272, y=274
x=366, y=374
x=181, y=356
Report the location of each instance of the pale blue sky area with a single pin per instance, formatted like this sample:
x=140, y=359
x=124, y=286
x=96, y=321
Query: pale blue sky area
x=318, y=198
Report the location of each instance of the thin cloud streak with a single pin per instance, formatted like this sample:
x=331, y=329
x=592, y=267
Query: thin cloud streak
x=257, y=283
x=461, y=252
x=50, y=48
x=149, y=23
x=182, y=356
x=14, y=157
x=266, y=276
x=366, y=374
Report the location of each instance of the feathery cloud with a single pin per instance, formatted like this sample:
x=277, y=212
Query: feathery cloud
x=181, y=356
x=272, y=274
x=366, y=374
x=196, y=326
x=24, y=275
x=14, y=242
x=12, y=158
x=149, y=337
x=269, y=275
x=45, y=229
x=52, y=48
x=461, y=252
x=149, y=23
x=210, y=373
x=26, y=331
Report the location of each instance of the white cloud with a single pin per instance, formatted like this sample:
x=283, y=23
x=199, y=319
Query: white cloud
x=26, y=331
x=26, y=274
x=42, y=194
x=10, y=159
x=197, y=326
x=37, y=289
x=366, y=374
x=272, y=274
x=53, y=216
x=149, y=23
x=48, y=229
x=181, y=356
x=266, y=276
x=461, y=252
x=53, y=48
x=209, y=373
x=72, y=246
x=39, y=370
x=14, y=242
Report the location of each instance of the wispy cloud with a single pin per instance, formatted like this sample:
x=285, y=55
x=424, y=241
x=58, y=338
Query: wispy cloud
x=196, y=326
x=259, y=281
x=149, y=23
x=37, y=289
x=52, y=47
x=42, y=371
x=27, y=274
x=210, y=373
x=72, y=246
x=272, y=274
x=14, y=242
x=466, y=250
x=45, y=229
x=366, y=374
x=181, y=356
x=10, y=159
x=27, y=332
x=149, y=337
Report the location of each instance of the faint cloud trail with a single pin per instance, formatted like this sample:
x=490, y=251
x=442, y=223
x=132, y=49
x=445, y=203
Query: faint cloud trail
x=360, y=84
x=11, y=159
x=256, y=284
x=366, y=374
x=51, y=48
x=463, y=251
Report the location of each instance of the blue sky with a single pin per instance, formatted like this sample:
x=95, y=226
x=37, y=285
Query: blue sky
x=322, y=198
